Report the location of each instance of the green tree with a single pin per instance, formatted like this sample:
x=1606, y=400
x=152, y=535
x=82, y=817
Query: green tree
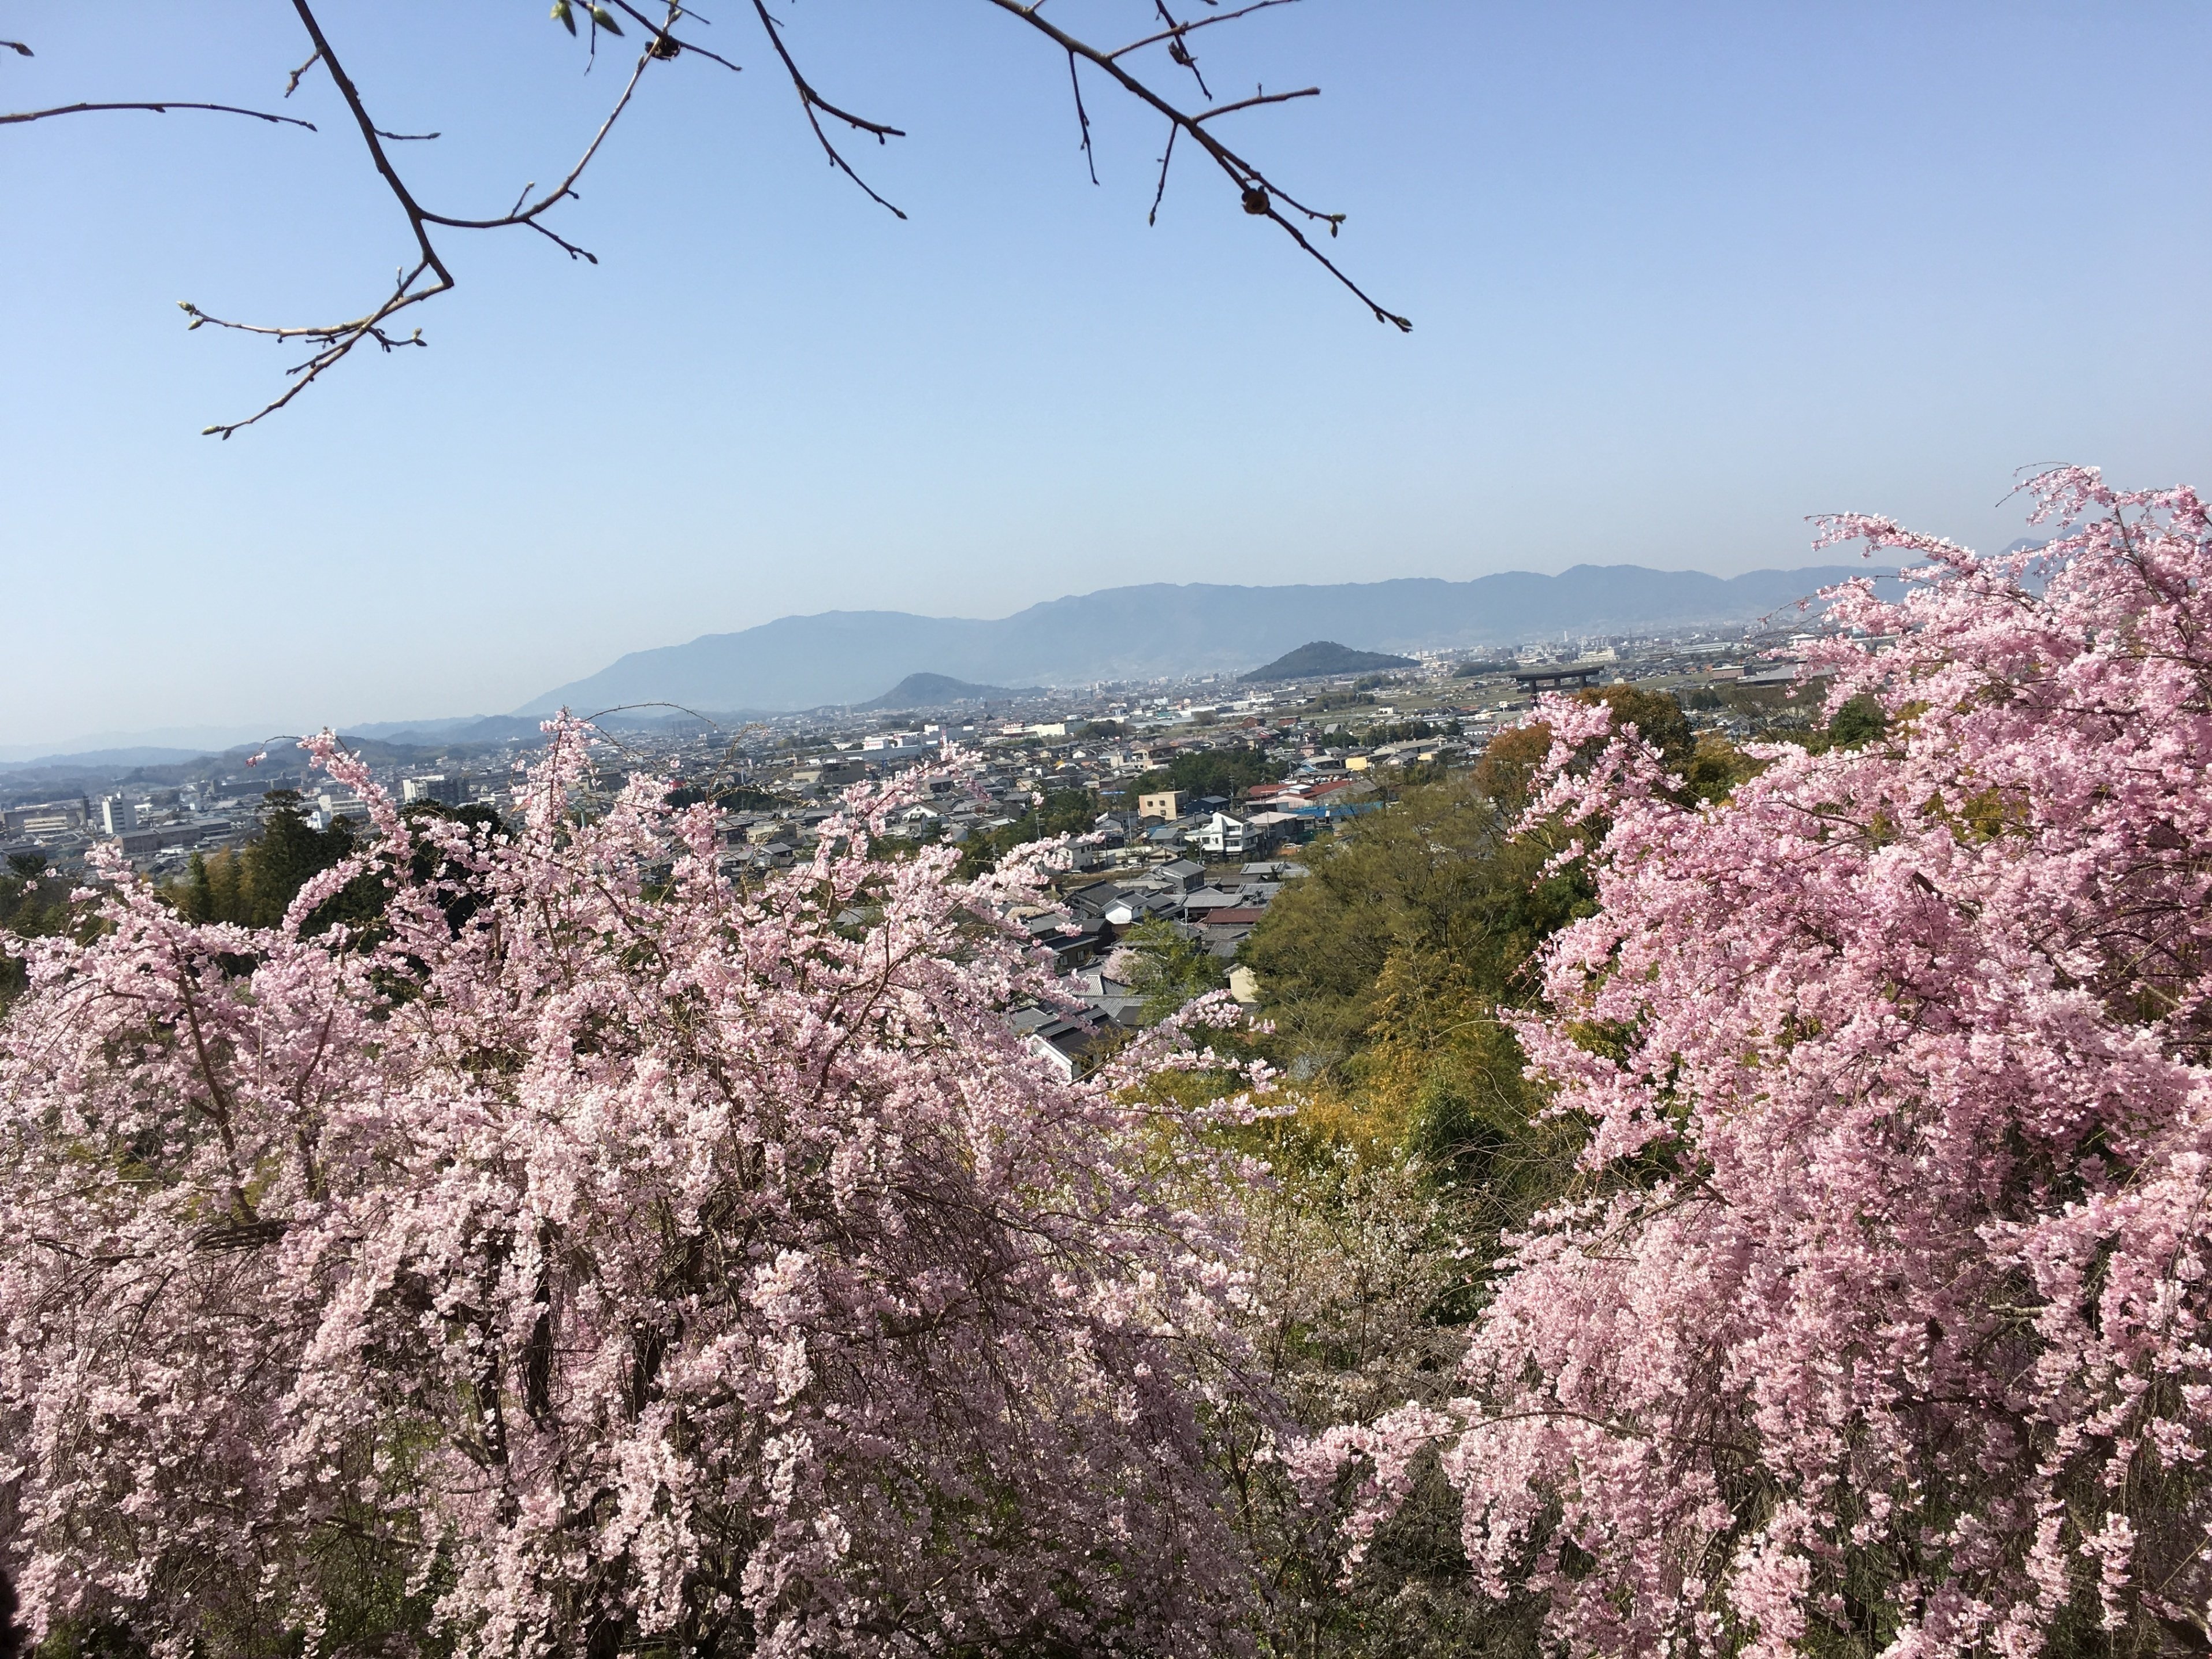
x=1772, y=712
x=1167, y=969
x=1227, y=772
x=1709, y=765
x=1399, y=731
x=253, y=885
x=1064, y=813
x=34, y=903
x=1437, y=877
x=1657, y=717
x=1859, y=722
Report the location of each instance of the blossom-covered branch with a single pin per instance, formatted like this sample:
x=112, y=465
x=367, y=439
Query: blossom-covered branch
x=1884, y=1322
x=619, y=1258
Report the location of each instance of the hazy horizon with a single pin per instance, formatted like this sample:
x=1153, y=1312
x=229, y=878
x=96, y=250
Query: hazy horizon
x=217, y=737
x=1678, y=280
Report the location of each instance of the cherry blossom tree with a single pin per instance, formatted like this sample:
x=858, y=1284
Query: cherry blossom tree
x=1879, y=1324
x=591, y=1253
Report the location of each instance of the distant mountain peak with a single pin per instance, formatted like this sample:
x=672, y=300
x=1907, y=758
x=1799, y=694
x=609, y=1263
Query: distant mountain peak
x=938, y=691
x=1318, y=657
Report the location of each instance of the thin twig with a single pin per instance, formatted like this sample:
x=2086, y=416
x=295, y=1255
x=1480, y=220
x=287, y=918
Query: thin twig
x=1083, y=119
x=1179, y=50
x=292, y=80
x=563, y=243
x=665, y=46
x=162, y=108
x=1256, y=99
x=1195, y=24
x=567, y=186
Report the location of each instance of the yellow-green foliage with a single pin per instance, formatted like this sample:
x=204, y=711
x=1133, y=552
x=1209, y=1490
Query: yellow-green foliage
x=1437, y=882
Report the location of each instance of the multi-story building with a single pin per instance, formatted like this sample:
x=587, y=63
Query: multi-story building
x=437, y=786
x=1161, y=804
x=1225, y=837
x=46, y=820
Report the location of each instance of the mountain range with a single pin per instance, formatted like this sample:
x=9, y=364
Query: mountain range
x=845, y=658
x=1163, y=630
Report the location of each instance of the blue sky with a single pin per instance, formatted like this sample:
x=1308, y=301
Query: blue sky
x=1679, y=275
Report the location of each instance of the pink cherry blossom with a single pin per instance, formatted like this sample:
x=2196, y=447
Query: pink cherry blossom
x=1881, y=1312
x=643, y=1259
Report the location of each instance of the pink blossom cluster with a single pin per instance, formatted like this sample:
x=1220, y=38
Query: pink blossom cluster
x=631, y=1258
x=1879, y=1317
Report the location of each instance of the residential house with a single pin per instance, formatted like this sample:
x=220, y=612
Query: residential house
x=1060, y=1040
x=1224, y=929
x=1227, y=837
x=1198, y=906
x=1108, y=1000
x=1162, y=804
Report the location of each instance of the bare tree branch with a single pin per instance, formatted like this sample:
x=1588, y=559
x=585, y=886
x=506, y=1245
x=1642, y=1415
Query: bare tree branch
x=562, y=243
x=1178, y=49
x=1258, y=195
x=665, y=46
x=520, y=215
x=430, y=276
x=810, y=100
x=335, y=342
x=1177, y=31
x=426, y=275
x=162, y=108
